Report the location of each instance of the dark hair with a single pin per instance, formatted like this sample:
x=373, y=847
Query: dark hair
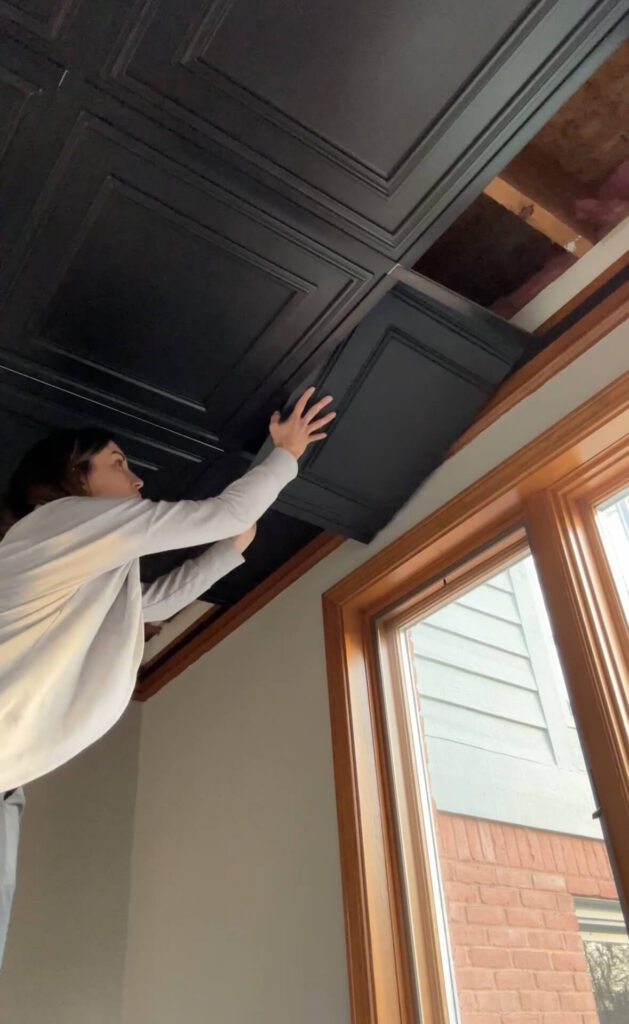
x=55, y=467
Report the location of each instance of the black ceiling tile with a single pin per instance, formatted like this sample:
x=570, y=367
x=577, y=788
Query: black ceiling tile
x=376, y=117
x=30, y=409
x=372, y=114
x=42, y=18
x=406, y=384
x=200, y=201
x=163, y=288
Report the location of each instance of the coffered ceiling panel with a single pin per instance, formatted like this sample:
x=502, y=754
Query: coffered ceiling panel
x=373, y=114
x=135, y=277
x=14, y=93
x=408, y=382
x=42, y=17
x=30, y=409
x=203, y=204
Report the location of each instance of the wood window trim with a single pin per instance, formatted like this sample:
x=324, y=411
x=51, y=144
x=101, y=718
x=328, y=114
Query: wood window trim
x=544, y=486
x=433, y=996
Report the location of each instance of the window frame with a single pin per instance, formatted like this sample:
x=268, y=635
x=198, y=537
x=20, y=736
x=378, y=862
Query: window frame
x=545, y=493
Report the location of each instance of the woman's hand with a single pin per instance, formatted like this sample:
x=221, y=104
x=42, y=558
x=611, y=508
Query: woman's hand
x=243, y=540
x=301, y=428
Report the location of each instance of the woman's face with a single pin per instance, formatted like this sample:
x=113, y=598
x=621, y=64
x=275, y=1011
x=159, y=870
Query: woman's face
x=110, y=476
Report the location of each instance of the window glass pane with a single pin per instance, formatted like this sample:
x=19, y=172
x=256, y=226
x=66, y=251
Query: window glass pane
x=512, y=812
x=612, y=519
x=607, y=953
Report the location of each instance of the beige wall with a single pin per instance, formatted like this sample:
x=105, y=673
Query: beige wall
x=66, y=946
x=236, y=910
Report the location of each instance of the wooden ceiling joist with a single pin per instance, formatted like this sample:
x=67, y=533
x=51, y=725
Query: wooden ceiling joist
x=539, y=175
x=538, y=216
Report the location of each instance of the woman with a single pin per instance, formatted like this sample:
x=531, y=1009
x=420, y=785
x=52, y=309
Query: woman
x=72, y=607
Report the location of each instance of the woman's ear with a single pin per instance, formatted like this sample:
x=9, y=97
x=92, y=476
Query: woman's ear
x=80, y=480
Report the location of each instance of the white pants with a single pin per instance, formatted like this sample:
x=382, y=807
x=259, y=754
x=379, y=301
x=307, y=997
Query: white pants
x=11, y=807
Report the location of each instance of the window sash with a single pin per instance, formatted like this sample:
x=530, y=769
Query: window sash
x=546, y=491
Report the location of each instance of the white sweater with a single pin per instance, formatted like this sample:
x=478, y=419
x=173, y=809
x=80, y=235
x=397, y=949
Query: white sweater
x=72, y=607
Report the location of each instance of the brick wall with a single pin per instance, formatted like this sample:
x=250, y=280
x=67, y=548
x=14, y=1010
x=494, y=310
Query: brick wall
x=515, y=938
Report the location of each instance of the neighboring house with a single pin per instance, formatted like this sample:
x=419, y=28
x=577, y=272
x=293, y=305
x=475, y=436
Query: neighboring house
x=522, y=859
x=502, y=741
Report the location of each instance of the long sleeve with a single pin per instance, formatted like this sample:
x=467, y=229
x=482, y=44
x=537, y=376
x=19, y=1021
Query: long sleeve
x=175, y=590
x=71, y=540
x=164, y=526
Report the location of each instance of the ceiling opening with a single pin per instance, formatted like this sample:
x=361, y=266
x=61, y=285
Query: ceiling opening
x=556, y=201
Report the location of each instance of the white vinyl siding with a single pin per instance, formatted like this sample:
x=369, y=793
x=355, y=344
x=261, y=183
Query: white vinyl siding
x=501, y=740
